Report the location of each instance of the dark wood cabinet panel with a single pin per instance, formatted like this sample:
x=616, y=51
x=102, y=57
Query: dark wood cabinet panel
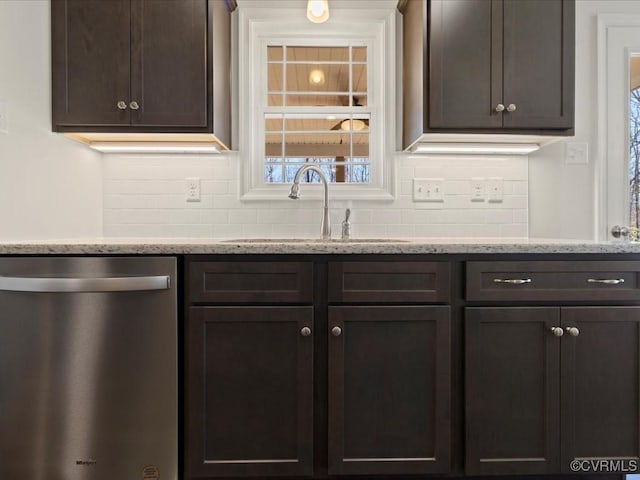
x=488, y=66
x=141, y=66
x=600, y=384
x=389, y=282
x=251, y=282
x=536, y=401
x=538, y=76
x=512, y=379
x=169, y=67
x=465, y=71
x=250, y=392
x=553, y=281
x=389, y=390
x=90, y=61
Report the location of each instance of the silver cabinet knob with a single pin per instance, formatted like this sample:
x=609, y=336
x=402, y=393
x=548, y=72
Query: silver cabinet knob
x=122, y=105
x=499, y=108
x=512, y=107
x=573, y=331
x=557, y=331
x=336, y=331
x=305, y=331
x=617, y=231
x=134, y=105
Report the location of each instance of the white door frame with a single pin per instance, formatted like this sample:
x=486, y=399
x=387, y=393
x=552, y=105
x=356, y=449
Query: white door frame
x=606, y=24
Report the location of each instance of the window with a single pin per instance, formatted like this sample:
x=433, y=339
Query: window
x=317, y=111
x=634, y=147
x=322, y=94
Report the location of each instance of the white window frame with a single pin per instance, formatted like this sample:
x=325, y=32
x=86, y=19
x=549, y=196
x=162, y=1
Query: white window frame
x=260, y=23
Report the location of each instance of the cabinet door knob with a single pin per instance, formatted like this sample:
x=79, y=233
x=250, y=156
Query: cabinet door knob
x=336, y=331
x=512, y=107
x=573, y=331
x=557, y=331
x=305, y=331
x=499, y=108
x=122, y=105
x=134, y=105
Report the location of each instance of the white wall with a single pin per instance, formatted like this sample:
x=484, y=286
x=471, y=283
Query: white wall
x=145, y=197
x=562, y=199
x=50, y=187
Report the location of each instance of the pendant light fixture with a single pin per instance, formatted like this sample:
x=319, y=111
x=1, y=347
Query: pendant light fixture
x=318, y=11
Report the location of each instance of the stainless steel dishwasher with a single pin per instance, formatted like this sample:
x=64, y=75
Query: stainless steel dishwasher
x=88, y=368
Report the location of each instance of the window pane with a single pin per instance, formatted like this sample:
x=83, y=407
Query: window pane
x=359, y=78
x=359, y=54
x=274, y=54
x=318, y=54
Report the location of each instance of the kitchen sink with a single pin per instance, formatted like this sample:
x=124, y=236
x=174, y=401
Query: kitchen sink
x=314, y=240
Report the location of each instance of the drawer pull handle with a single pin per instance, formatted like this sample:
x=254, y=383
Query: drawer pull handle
x=606, y=281
x=512, y=281
x=557, y=331
x=573, y=331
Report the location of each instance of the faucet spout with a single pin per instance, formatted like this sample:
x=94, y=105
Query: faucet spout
x=294, y=193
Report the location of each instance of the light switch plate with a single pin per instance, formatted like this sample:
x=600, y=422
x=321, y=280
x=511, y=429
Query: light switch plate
x=428, y=190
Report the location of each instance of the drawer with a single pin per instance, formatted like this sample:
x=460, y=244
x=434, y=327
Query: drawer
x=250, y=282
x=389, y=282
x=553, y=281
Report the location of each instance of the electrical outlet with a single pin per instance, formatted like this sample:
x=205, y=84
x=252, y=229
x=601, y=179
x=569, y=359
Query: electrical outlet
x=577, y=153
x=495, y=189
x=478, y=189
x=193, y=189
x=428, y=190
x=4, y=128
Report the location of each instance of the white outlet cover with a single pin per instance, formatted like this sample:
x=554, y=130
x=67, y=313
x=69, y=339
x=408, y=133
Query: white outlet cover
x=193, y=189
x=478, y=189
x=495, y=189
x=577, y=153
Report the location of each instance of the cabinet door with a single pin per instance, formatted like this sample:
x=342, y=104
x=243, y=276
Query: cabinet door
x=90, y=62
x=538, y=63
x=512, y=378
x=600, y=384
x=250, y=391
x=465, y=64
x=169, y=67
x=389, y=390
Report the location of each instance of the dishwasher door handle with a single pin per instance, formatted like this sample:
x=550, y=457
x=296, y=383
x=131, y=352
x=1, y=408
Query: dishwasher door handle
x=106, y=284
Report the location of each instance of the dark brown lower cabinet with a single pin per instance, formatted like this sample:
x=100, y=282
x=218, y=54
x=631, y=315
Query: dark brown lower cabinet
x=389, y=390
x=549, y=385
x=250, y=391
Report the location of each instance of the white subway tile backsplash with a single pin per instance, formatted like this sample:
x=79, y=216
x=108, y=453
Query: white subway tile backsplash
x=145, y=196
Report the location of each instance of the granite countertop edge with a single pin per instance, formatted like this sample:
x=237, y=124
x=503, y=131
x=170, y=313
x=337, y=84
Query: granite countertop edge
x=301, y=246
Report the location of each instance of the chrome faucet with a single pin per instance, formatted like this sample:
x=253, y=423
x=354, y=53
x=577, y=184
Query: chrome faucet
x=295, y=194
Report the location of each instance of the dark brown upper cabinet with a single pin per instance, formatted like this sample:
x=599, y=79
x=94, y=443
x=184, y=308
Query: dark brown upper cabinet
x=141, y=66
x=488, y=66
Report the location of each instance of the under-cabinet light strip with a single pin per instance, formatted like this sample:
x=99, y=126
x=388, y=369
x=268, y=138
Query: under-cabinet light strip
x=476, y=148
x=153, y=147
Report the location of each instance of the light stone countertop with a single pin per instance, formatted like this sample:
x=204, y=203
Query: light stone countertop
x=180, y=246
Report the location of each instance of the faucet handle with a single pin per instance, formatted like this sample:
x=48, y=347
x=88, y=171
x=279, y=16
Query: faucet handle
x=346, y=225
